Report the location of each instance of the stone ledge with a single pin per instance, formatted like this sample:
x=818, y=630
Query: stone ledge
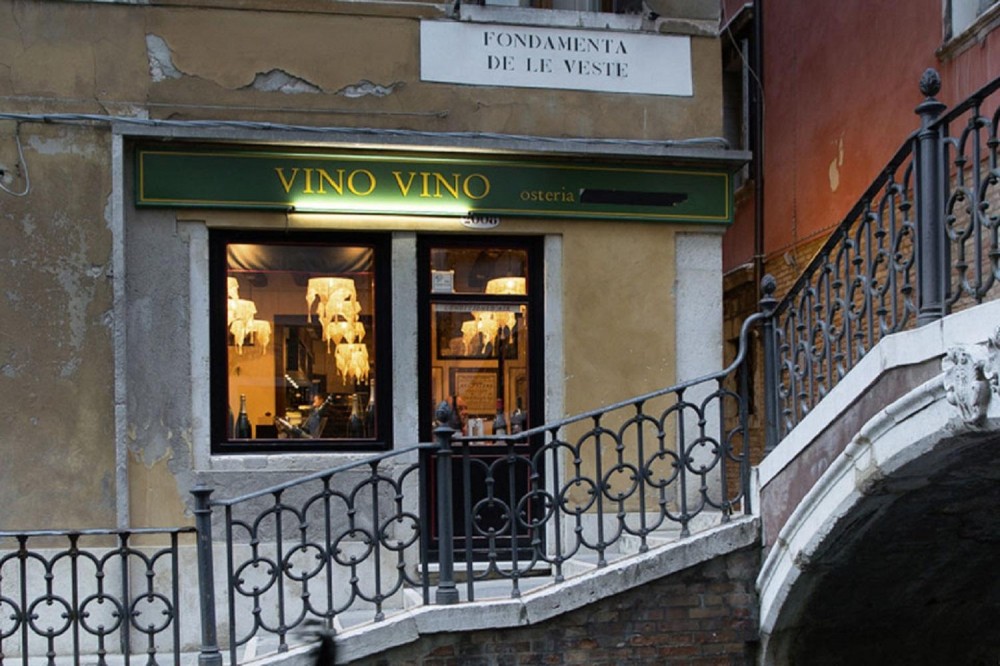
x=550, y=601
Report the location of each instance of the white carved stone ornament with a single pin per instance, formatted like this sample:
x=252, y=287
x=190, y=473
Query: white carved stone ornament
x=991, y=367
x=965, y=383
x=971, y=377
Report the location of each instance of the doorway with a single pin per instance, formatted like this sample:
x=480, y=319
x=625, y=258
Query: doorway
x=481, y=352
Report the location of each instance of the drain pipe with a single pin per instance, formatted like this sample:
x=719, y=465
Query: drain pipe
x=757, y=65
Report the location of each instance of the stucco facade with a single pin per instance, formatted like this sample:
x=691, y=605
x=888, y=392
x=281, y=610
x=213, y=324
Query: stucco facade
x=104, y=360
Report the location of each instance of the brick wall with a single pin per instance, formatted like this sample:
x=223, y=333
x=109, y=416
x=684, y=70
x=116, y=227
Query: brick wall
x=704, y=615
x=741, y=298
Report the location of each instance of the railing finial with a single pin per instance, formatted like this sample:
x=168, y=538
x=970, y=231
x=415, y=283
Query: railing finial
x=768, y=288
x=930, y=82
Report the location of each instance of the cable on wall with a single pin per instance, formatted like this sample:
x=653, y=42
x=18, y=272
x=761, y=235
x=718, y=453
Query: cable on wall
x=70, y=118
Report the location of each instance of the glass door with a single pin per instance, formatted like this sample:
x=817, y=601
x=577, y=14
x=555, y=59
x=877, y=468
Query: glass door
x=481, y=333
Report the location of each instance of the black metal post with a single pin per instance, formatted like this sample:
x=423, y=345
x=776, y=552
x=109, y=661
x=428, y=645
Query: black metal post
x=446, y=592
x=209, y=655
x=932, y=266
x=768, y=303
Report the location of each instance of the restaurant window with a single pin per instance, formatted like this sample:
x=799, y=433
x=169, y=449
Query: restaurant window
x=300, y=332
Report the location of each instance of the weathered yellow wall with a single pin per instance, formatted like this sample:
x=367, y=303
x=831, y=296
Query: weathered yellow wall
x=56, y=361
x=101, y=58
x=179, y=61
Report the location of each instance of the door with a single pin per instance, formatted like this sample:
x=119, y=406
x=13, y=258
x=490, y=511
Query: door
x=481, y=339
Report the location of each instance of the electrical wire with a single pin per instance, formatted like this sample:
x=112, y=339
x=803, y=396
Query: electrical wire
x=268, y=126
x=70, y=118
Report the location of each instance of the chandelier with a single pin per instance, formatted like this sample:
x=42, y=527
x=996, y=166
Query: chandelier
x=338, y=309
x=480, y=334
x=240, y=320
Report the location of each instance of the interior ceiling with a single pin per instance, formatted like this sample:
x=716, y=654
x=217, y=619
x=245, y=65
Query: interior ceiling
x=911, y=576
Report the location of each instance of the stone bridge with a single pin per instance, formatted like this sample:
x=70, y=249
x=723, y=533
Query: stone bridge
x=879, y=521
x=874, y=540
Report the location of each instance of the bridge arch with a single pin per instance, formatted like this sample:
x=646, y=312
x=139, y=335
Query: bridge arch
x=891, y=555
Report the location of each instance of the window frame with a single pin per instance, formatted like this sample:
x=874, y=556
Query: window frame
x=534, y=247
x=957, y=41
x=218, y=241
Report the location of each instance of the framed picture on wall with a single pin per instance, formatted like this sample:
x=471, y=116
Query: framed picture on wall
x=478, y=387
x=517, y=387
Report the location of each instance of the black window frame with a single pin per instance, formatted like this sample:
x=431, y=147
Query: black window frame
x=533, y=245
x=218, y=240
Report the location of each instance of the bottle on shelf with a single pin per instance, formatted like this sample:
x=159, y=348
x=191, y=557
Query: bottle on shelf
x=517, y=418
x=242, y=429
x=370, y=411
x=500, y=422
x=355, y=425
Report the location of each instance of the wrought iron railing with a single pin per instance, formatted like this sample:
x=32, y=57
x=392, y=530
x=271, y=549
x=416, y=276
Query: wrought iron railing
x=922, y=241
x=93, y=592
x=348, y=540
x=442, y=521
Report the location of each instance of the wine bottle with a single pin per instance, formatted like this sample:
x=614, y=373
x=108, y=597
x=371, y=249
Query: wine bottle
x=242, y=429
x=500, y=422
x=370, y=412
x=355, y=426
x=517, y=418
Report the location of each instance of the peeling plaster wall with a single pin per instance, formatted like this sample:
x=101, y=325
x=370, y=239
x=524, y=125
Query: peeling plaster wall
x=159, y=415
x=335, y=64
x=340, y=79
x=56, y=360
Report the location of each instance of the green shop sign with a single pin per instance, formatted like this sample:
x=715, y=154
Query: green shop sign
x=427, y=185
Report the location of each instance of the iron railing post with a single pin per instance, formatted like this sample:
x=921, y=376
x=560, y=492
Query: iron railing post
x=768, y=286
x=932, y=248
x=446, y=592
x=209, y=654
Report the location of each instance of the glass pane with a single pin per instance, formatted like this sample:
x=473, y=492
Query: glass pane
x=471, y=271
x=479, y=346
x=301, y=331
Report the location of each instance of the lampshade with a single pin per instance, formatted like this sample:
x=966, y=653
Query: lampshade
x=241, y=322
x=507, y=285
x=338, y=309
x=352, y=361
x=486, y=325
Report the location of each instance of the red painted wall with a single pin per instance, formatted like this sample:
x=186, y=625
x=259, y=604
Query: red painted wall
x=840, y=85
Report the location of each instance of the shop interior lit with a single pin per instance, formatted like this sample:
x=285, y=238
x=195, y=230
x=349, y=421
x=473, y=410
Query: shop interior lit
x=301, y=332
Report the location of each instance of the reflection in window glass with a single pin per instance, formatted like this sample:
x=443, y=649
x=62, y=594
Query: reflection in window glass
x=479, y=342
x=963, y=13
x=301, y=331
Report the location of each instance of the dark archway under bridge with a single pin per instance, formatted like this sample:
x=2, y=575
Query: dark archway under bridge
x=910, y=575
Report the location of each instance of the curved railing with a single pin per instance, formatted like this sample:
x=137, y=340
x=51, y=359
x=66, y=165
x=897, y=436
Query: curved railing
x=922, y=241
x=357, y=542
x=96, y=592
